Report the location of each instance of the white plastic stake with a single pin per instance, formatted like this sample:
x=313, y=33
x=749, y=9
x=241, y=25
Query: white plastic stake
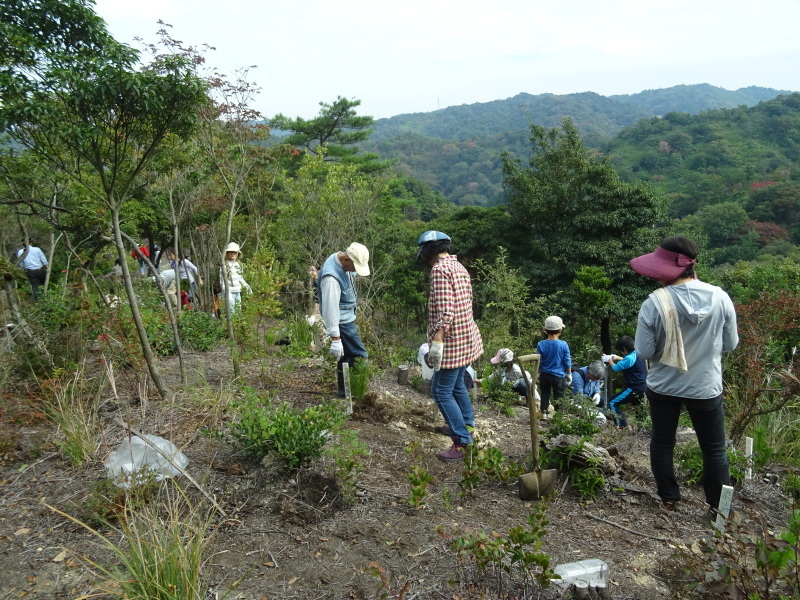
x=724, y=508
x=748, y=456
x=347, y=394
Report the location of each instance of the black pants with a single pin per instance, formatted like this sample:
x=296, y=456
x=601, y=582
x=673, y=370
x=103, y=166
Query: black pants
x=36, y=277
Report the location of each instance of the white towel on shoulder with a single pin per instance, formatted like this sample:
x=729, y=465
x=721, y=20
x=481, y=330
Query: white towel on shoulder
x=673, y=355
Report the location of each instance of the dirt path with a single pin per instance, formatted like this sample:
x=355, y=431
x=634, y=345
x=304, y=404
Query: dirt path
x=290, y=536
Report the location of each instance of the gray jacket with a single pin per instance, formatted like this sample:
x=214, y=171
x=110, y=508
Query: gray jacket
x=707, y=322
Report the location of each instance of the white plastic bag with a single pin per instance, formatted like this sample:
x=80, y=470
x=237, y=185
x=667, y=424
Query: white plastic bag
x=128, y=463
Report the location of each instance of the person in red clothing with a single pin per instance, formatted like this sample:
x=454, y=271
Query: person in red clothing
x=455, y=340
x=140, y=254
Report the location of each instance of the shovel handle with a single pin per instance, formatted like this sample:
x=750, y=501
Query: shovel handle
x=528, y=358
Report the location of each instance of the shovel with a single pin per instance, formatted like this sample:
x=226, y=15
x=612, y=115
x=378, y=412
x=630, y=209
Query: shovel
x=538, y=483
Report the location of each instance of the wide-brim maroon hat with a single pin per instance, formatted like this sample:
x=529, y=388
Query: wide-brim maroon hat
x=663, y=264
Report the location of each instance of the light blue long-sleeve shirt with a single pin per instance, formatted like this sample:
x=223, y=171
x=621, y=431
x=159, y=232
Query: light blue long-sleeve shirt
x=35, y=259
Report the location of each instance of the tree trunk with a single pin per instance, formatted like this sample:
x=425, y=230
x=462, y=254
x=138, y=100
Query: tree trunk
x=176, y=336
x=147, y=352
x=605, y=335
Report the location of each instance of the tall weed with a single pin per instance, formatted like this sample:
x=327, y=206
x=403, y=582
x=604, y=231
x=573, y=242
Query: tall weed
x=73, y=406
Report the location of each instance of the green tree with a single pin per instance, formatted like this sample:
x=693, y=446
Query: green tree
x=337, y=128
x=573, y=211
x=101, y=120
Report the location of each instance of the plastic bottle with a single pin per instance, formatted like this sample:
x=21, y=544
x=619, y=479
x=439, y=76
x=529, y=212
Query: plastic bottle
x=583, y=570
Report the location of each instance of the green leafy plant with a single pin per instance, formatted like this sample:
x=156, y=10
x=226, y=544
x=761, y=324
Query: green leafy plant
x=519, y=551
x=418, y=477
x=301, y=337
x=589, y=482
x=200, y=330
x=574, y=418
x=296, y=436
x=689, y=459
x=486, y=463
x=360, y=376
x=740, y=564
x=348, y=454
x=498, y=392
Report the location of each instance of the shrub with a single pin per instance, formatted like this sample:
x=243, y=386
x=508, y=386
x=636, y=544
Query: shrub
x=349, y=454
x=689, y=458
x=360, y=375
x=200, y=330
x=575, y=417
x=498, y=392
x=296, y=436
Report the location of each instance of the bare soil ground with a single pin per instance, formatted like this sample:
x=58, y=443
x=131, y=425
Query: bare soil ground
x=289, y=536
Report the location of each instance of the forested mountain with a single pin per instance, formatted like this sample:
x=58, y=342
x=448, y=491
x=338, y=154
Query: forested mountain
x=733, y=171
x=596, y=117
x=457, y=150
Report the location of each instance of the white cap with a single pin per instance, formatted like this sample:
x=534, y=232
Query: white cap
x=359, y=254
x=553, y=324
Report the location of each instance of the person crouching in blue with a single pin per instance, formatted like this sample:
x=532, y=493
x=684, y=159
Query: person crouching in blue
x=635, y=373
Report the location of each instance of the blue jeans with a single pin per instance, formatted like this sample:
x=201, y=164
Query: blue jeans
x=708, y=421
x=452, y=398
x=353, y=348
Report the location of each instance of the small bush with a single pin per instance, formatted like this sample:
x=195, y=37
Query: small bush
x=349, y=454
x=498, y=392
x=360, y=376
x=575, y=417
x=689, y=459
x=200, y=330
x=296, y=436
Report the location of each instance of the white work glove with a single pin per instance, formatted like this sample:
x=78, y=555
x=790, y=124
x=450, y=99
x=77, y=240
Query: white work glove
x=596, y=399
x=568, y=378
x=249, y=289
x=311, y=319
x=337, y=349
x=606, y=357
x=435, y=355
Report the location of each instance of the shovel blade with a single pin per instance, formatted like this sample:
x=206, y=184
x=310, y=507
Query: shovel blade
x=533, y=486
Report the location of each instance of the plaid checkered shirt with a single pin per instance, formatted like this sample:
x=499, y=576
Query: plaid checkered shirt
x=450, y=309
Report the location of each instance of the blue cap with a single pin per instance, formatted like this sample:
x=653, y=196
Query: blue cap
x=432, y=236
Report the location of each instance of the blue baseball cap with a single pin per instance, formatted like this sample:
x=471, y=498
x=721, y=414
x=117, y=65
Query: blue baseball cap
x=431, y=236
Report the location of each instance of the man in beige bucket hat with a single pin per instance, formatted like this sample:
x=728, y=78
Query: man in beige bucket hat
x=337, y=302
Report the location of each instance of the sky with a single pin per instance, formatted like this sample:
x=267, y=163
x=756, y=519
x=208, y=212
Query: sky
x=423, y=55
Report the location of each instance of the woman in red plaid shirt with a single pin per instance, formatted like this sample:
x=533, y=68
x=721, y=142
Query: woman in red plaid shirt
x=454, y=338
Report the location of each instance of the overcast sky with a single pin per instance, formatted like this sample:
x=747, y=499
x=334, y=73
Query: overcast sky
x=421, y=55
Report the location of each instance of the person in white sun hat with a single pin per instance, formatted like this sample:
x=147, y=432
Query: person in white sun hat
x=337, y=303
x=230, y=277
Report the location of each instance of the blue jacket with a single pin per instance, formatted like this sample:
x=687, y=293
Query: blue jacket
x=582, y=385
x=634, y=371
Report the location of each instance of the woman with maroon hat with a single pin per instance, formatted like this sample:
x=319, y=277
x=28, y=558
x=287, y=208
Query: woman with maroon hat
x=683, y=329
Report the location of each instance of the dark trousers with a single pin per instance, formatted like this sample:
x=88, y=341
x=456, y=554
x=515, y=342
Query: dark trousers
x=550, y=384
x=36, y=277
x=708, y=421
x=353, y=349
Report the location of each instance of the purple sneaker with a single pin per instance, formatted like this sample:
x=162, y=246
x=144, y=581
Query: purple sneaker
x=454, y=454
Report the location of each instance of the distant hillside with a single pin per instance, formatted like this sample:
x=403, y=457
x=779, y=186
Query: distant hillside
x=694, y=99
x=597, y=117
x=457, y=150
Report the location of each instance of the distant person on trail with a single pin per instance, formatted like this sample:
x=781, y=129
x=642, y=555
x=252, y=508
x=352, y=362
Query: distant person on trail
x=683, y=329
x=230, y=277
x=34, y=263
x=337, y=303
x=186, y=270
x=555, y=364
x=454, y=338
x=140, y=254
x=169, y=281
